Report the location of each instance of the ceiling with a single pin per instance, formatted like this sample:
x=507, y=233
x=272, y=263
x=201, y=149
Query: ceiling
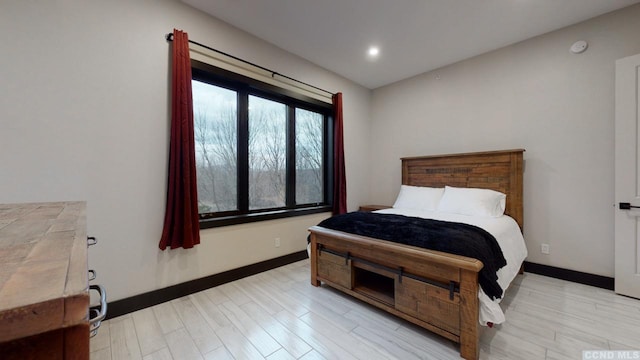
x=414, y=36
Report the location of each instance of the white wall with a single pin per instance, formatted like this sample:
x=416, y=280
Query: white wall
x=534, y=95
x=84, y=115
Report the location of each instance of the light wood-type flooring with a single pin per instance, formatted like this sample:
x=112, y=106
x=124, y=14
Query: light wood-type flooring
x=279, y=315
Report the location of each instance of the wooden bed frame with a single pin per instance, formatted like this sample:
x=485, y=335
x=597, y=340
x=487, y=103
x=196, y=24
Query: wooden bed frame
x=435, y=290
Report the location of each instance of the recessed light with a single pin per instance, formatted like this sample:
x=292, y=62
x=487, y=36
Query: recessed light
x=373, y=52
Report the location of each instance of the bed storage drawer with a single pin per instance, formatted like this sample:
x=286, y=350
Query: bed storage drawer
x=428, y=303
x=335, y=269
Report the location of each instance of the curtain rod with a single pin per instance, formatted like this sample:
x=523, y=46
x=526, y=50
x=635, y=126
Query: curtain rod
x=169, y=37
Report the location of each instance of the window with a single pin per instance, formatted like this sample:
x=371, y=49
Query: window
x=309, y=160
x=261, y=152
x=215, y=113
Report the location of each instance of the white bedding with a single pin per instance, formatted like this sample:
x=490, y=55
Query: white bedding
x=509, y=237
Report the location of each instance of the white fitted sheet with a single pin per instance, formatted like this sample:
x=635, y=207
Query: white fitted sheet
x=506, y=231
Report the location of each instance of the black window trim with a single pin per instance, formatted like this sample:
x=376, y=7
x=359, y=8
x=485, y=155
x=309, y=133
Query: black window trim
x=249, y=86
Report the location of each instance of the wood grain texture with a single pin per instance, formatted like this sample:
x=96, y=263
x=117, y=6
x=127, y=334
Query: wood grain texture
x=43, y=282
x=469, y=311
x=417, y=301
x=335, y=269
x=49, y=345
x=496, y=170
x=368, y=208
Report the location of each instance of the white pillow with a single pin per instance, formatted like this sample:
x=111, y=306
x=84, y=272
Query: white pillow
x=418, y=197
x=472, y=201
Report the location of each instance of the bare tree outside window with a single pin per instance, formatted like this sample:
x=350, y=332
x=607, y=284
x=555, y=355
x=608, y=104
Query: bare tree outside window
x=216, y=139
x=261, y=151
x=267, y=153
x=309, y=149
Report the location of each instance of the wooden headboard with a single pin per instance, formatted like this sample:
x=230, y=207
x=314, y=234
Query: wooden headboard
x=495, y=170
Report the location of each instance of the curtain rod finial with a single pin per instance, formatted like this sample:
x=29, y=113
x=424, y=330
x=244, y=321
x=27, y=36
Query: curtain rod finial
x=169, y=37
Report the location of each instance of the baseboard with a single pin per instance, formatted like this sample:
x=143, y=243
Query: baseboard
x=137, y=302
x=141, y=301
x=570, y=275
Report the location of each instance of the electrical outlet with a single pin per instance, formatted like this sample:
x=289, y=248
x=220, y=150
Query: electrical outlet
x=277, y=242
x=544, y=248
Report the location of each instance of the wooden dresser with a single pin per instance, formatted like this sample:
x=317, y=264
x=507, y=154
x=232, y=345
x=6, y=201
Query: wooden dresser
x=44, y=291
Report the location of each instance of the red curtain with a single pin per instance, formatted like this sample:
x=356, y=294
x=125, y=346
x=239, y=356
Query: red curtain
x=339, y=177
x=181, y=223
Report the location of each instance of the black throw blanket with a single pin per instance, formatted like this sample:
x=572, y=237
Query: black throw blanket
x=450, y=237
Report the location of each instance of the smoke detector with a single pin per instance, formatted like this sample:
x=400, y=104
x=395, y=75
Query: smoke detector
x=579, y=47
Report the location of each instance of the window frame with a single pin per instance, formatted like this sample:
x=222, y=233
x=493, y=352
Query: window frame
x=245, y=87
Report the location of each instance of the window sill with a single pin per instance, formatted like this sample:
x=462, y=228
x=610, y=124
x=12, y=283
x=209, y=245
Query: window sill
x=249, y=218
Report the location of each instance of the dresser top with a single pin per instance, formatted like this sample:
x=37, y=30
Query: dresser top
x=43, y=272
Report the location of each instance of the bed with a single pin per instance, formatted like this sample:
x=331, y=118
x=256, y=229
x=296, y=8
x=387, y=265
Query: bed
x=435, y=290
